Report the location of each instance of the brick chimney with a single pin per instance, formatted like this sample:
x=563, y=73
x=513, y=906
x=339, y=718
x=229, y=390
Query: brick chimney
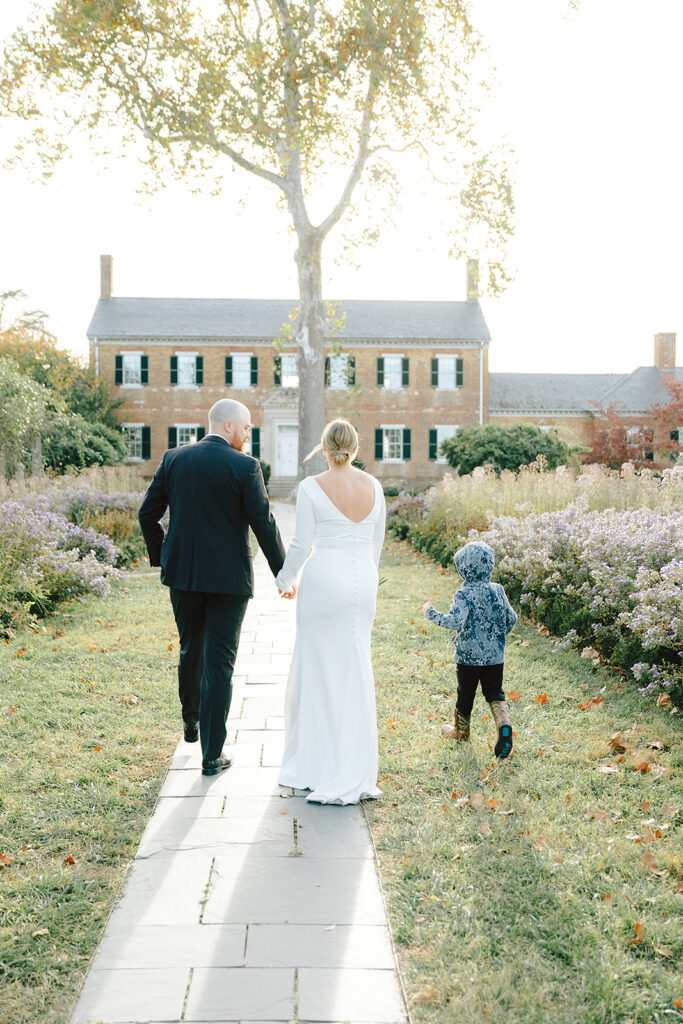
x=472, y=280
x=106, y=276
x=665, y=351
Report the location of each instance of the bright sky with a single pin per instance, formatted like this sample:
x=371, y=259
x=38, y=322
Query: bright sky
x=591, y=104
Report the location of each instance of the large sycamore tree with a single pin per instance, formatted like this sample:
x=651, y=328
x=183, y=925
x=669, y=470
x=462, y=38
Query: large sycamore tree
x=305, y=94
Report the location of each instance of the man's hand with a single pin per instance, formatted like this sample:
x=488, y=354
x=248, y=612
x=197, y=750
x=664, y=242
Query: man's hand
x=426, y=605
x=288, y=595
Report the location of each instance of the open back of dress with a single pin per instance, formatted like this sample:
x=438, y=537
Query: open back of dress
x=330, y=716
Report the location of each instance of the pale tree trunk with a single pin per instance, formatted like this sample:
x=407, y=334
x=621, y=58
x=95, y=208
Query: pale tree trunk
x=310, y=353
x=37, y=468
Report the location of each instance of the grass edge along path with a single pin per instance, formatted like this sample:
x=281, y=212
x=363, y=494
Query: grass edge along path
x=88, y=723
x=545, y=887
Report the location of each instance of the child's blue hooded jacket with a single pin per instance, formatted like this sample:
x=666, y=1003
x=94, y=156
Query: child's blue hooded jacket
x=481, y=614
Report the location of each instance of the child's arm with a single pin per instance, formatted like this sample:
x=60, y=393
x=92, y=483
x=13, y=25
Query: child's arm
x=456, y=617
x=510, y=613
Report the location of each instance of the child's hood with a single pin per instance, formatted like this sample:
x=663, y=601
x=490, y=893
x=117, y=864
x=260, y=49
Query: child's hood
x=475, y=562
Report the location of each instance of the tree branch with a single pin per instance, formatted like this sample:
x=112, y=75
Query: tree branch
x=364, y=152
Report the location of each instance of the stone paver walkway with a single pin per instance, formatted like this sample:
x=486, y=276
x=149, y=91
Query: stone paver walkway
x=245, y=903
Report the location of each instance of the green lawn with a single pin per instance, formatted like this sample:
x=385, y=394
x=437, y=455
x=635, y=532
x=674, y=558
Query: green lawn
x=88, y=721
x=523, y=908
x=542, y=888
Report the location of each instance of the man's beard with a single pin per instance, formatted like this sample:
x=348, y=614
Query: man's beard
x=238, y=445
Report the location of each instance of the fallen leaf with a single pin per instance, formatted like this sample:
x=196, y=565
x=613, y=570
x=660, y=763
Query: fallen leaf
x=598, y=815
x=392, y=723
x=668, y=810
x=169, y=647
x=485, y=830
x=284, y=810
x=607, y=895
x=590, y=652
x=664, y=952
x=678, y=1003
x=5, y=861
x=616, y=742
x=642, y=767
x=544, y=631
x=512, y=695
x=541, y=844
x=664, y=700
x=542, y=698
x=639, y=929
x=330, y=928
x=525, y=643
x=476, y=800
x=69, y=860
x=591, y=703
x=649, y=861
x=607, y=768
x=655, y=745
x=645, y=806
x=41, y=931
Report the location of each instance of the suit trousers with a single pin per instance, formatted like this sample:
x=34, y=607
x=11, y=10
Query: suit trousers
x=469, y=676
x=209, y=630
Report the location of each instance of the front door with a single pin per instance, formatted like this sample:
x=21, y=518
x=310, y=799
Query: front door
x=287, y=449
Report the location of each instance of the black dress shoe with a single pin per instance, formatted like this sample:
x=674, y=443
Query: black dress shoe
x=214, y=767
x=191, y=731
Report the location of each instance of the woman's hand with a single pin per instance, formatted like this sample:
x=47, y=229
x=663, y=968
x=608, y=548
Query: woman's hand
x=426, y=605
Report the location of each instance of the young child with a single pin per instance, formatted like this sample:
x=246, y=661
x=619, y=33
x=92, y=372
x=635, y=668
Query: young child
x=482, y=616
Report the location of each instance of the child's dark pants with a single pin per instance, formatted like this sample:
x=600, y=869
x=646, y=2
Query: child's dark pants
x=491, y=679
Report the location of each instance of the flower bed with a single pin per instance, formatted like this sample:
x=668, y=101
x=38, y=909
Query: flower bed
x=45, y=559
x=609, y=579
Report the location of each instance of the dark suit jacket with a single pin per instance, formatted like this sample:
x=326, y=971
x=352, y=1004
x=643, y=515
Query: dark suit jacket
x=215, y=494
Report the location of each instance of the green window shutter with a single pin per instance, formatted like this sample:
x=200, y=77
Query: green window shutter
x=379, y=444
x=352, y=371
x=433, y=445
x=255, y=434
x=435, y=373
x=174, y=371
x=458, y=372
x=228, y=371
x=277, y=371
x=380, y=372
x=199, y=370
x=146, y=443
x=118, y=370
x=675, y=435
x=327, y=371
x=405, y=372
x=144, y=370
x=172, y=437
x=406, y=443
x=254, y=371
x=201, y=432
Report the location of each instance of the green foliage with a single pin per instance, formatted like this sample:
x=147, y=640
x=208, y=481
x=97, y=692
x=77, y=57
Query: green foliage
x=22, y=409
x=72, y=442
x=504, y=447
x=266, y=470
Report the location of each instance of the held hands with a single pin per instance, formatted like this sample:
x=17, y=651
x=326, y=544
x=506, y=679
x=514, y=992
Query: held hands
x=288, y=595
x=428, y=604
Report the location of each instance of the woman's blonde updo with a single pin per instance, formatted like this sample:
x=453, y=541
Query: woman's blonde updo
x=340, y=441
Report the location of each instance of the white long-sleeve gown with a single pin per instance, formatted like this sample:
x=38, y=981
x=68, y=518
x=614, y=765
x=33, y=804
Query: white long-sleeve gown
x=330, y=713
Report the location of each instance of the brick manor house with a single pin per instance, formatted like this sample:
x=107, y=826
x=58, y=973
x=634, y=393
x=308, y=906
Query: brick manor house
x=408, y=376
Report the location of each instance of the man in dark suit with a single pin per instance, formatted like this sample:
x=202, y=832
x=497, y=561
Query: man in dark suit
x=215, y=493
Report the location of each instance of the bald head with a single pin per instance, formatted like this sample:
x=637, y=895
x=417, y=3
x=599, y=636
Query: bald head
x=231, y=420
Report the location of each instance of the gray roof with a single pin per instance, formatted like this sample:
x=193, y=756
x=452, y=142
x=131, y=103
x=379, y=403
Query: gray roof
x=539, y=393
x=263, y=318
x=642, y=389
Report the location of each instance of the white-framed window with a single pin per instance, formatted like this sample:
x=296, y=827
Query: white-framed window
x=132, y=438
x=545, y=427
x=288, y=371
x=641, y=439
x=443, y=432
x=677, y=435
x=339, y=372
x=449, y=372
x=187, y=433
x=187, y=369
x=132, y=368
x=241, y=370
x=393, y=372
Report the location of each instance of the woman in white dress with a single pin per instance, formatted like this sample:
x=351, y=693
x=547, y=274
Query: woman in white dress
x=330, y=716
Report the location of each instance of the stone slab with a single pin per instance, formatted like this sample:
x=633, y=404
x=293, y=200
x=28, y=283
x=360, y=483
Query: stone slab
x=115, y=996
x=302, y=945
x=295, y=890
x=155, y=946
x=169, y=893
x=328, y=994
x=219, y=994
x=238, y=780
